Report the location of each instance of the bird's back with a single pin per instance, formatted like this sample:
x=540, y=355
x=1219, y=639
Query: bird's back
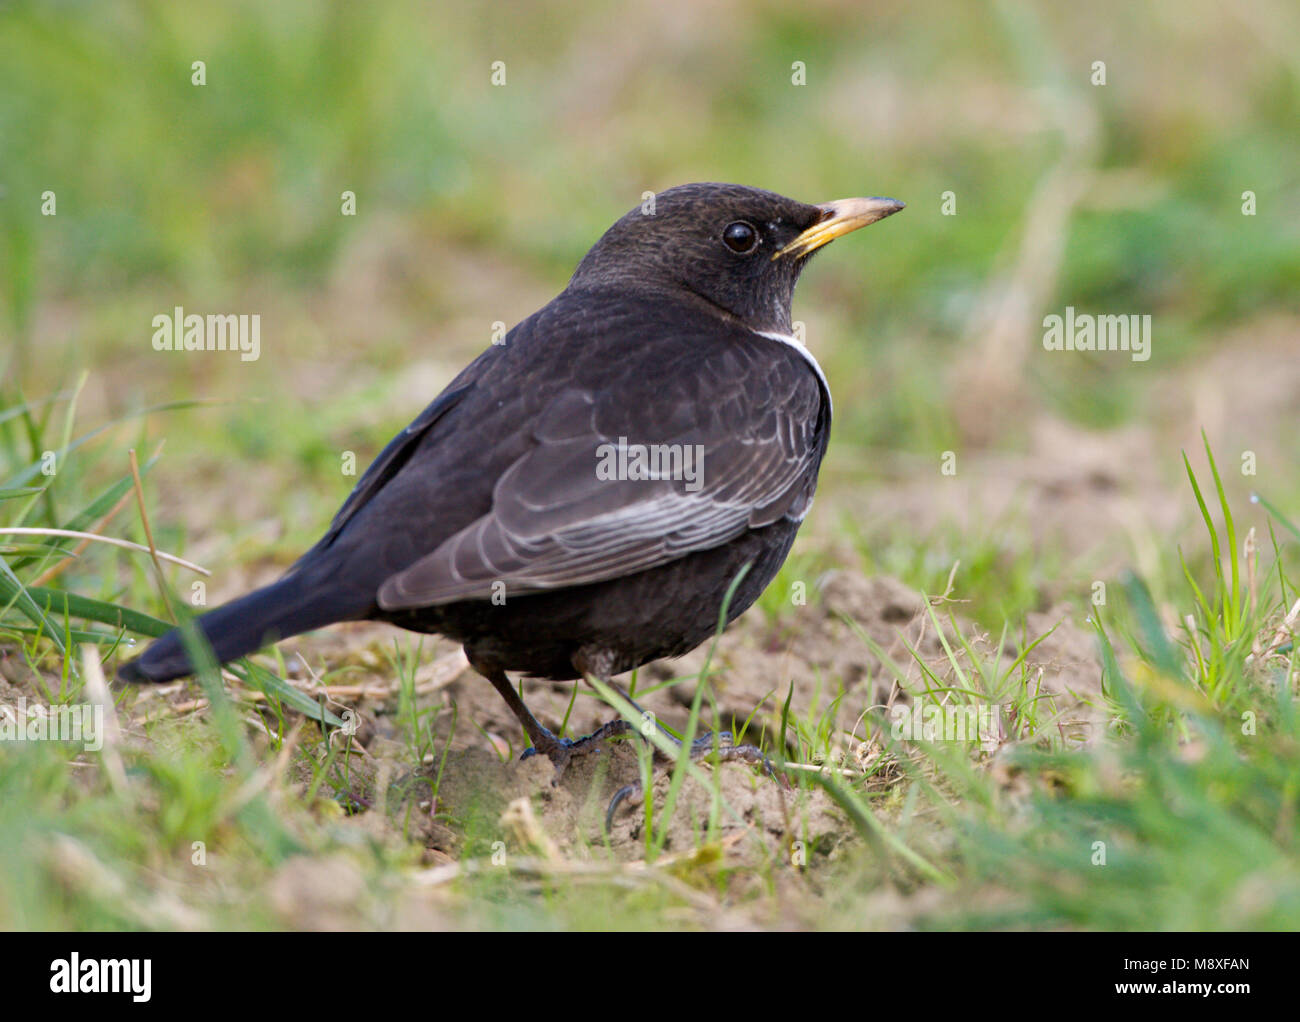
x=586, y=369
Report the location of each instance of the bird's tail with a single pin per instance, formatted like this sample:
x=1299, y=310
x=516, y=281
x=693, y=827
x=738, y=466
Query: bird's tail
x=287, y=607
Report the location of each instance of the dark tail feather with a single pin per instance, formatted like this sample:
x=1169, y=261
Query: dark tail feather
x=284, y=608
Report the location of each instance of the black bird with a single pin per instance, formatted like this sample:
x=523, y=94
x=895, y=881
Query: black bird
x=579, y=500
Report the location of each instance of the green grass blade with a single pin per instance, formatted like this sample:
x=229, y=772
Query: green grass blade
x=1161, y=651
x=15, y=594
x=73, y=605
x=1278, y=516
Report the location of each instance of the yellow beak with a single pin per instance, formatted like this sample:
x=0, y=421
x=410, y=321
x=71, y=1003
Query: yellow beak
x=840, y=217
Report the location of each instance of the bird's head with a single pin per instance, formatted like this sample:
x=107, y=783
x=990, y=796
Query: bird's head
x=739, y=249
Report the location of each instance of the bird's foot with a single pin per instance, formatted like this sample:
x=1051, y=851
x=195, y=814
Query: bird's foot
x=701, y=748
x=561, y=750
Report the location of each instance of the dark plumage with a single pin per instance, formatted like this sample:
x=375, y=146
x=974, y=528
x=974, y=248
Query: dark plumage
x=660, y=338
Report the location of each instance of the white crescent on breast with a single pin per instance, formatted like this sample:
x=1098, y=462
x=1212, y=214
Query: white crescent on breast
x=798, y=346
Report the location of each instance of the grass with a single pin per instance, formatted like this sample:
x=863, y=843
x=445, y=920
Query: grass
x=1180, y=815
x=239, y=809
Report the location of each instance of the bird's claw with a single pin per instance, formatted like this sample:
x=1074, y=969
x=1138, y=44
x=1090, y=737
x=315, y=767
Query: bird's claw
x=701, y=747
x=561, y=750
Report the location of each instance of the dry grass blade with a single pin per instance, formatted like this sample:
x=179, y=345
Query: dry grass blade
x=125, y=544
x=148, y=534
x=58, y=568
x=97, y=689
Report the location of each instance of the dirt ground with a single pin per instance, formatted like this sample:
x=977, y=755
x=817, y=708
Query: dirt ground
x=1091, y=493
x=482, y=781
x=1088, y=491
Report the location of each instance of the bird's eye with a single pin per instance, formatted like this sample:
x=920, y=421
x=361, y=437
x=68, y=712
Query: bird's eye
x=740, y=237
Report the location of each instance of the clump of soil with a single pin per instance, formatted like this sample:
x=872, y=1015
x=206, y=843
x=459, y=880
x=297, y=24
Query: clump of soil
x=832, y=650
x=756, y=816
x=835, y=675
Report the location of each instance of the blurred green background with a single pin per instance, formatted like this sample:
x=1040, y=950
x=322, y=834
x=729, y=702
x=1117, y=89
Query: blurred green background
x=473, y=204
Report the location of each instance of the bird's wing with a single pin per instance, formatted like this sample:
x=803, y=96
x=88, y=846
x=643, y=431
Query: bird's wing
x=745, y=458
x=391, y=459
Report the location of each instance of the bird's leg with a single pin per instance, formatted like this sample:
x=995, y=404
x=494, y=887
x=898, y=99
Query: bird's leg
x=561, y=750
x=701, y=748
x=558, y=750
